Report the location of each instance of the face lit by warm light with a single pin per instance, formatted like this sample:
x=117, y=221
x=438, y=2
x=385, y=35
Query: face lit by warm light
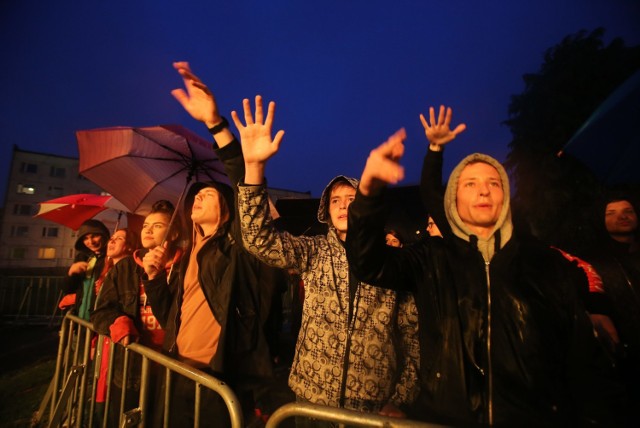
x=479, y=197
x=342, y=194
x=154, y=229
x=392, y=241
x=117, y=246
x=93, y=242
x=208, y=211
x=620, y=218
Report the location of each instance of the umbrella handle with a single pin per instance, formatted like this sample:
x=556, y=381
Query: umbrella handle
x=115, y=228
x=177, y=207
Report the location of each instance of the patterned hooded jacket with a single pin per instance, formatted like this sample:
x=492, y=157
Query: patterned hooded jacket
x=341, y=362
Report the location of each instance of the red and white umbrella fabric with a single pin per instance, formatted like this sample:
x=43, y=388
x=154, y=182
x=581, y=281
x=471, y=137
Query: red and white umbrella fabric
x=73, y=210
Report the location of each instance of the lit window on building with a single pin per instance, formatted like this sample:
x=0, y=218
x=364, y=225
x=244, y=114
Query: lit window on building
x=46, y=253
x=18, y=253
x=30, y=168
x=57, y=172
x=50, y=232
x=22, y=209
x=26, y=189
x=19, y=231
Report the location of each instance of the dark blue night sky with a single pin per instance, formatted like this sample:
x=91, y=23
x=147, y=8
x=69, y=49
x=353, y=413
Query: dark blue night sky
x=345, y=74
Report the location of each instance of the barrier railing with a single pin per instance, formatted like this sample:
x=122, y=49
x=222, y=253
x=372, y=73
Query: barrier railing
x=70, y=400
x=30, y=299
x=341, y=416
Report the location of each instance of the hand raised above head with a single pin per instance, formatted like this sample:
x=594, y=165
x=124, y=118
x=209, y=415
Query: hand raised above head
x=197, y=100
x=438, y=132
x=383, y=165
x=255, y=134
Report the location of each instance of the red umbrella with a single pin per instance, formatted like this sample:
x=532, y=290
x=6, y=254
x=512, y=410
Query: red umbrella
x=73, y=210
x=140, y=166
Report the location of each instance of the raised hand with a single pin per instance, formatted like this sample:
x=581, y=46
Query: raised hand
x=255, y=136
x=439, y=133
x=383, y=166
x=197, y=100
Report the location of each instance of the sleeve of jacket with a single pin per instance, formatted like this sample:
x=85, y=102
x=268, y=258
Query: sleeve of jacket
x=371, y=260
x=233, y=163
x=109, y=303
x=260, y=237
x=160, y=296
x=432, y=190
x=407, y=386
x=598, y=395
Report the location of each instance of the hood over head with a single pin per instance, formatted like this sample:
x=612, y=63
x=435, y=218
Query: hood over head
x=91, y=226
x=503, y=228
x=323, y=208
x=223, y=189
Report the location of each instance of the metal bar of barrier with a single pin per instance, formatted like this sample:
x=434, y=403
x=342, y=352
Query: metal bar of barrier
x=74, y=396
x=342, y=416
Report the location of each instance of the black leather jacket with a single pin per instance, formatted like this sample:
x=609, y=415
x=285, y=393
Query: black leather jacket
x=506, y=341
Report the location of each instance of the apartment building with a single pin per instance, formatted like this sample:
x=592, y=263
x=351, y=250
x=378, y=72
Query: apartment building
x=31, y=242
x=28, y=241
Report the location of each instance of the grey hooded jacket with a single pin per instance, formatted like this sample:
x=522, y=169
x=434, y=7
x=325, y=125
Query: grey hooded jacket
x=338, y=361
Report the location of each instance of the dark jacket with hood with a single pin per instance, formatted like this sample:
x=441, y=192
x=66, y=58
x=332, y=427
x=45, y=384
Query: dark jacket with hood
x=503, y=338
x=357, y=347
x=76, y=283
x=232, y=282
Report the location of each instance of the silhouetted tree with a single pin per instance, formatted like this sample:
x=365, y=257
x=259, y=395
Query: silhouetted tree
x=555, y=194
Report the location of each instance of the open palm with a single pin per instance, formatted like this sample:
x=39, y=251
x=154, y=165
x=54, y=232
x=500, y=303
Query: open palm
x=255, y=135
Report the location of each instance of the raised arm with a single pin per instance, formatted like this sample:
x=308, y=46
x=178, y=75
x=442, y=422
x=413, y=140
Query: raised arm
x=438, y=134
x=255, y=135
x=382, y=165
x=198, y=100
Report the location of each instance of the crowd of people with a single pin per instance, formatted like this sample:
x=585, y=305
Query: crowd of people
x=476, y=323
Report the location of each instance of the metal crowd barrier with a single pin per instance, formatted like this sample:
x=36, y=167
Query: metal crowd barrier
x=69, y=398
x=30, y=299
x=341, y=416
x=70, y=404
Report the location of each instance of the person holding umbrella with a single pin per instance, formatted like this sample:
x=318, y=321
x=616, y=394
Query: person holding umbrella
x=122, y=309
x=213, y=319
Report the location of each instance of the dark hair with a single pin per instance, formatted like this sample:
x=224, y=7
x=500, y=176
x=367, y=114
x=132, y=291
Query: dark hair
x=131, y=240
x=395, y=233
x=166, y=207
x=162, y=206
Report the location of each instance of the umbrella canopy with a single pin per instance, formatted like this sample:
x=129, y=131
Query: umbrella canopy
x=140, y=166
x=609, y=141
x=73, y=210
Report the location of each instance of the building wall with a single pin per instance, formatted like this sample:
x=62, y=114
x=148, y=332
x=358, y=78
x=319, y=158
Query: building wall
x=34, y=177
x=30, y=242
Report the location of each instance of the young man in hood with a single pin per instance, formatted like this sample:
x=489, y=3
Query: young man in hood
x=348, y=352
x=213, y=318
x=79, y=288
x=504, y=338
x=341, y=317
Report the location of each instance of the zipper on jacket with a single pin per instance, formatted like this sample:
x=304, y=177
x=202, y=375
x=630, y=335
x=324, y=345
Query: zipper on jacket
x=489, y=366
